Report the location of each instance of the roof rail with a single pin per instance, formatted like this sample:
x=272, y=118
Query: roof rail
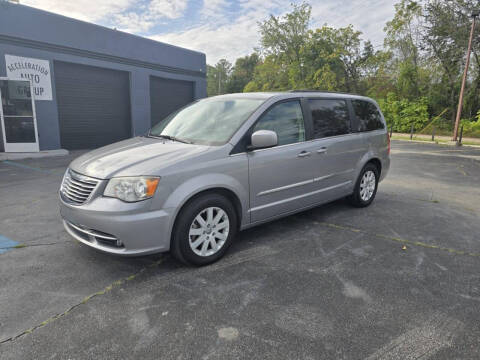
x=321, y=91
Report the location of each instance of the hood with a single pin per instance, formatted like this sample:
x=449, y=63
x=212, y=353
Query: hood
x=134, y=157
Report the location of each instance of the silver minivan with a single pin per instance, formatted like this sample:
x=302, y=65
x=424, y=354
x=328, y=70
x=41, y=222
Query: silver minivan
x=221, y=165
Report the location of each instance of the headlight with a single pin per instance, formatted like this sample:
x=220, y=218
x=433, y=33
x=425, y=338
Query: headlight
x=132, y=189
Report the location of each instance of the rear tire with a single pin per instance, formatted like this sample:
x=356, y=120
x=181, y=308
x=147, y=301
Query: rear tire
x=365, y=187
x=204, y=230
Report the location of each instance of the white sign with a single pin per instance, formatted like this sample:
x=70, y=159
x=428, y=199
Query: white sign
x=36, y=70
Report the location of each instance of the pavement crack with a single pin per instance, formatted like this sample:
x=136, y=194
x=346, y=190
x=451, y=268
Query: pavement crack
x=21, y=246
x=460, y=169
x=86, y=299
x=400, y=240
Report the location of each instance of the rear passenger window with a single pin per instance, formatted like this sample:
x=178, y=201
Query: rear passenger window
x=368, y=116
x=330, y=117
x=286, y=119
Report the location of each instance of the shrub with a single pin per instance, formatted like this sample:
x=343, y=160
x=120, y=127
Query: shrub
x=471, y=128
x=403, y=113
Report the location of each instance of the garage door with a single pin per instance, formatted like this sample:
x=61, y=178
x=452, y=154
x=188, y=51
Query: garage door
x=93, y=105
x=168, y=95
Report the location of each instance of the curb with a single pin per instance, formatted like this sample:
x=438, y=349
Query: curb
x=33, y=155
x=450, y=143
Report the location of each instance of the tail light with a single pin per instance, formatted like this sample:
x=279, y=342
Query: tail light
x=388, y=144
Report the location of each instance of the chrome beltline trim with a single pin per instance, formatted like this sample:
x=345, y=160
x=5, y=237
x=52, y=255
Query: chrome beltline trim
x=332, y=175
x=286, y=187
x=301, y=183
x=300, y=196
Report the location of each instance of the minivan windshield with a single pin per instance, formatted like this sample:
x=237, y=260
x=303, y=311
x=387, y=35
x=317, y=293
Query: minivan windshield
x=211, y=121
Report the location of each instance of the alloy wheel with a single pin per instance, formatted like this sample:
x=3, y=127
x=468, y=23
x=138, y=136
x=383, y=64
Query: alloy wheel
x=367, y=185
x=208, y=231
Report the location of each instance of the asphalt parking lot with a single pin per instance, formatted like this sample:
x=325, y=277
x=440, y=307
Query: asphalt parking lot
x=397, y=280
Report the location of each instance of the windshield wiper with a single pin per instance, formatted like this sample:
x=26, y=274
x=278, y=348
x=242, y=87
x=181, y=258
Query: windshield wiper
x=169, y=137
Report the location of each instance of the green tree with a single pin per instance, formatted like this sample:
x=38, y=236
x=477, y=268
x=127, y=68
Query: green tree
x=242, y=73
x=270, y=75
x=403, y=113
x=217, y=77
x=415, y=77
x=403, y=39
x=339, y=59
x=212, y=83
x=445, y=38
x=282, y=39
x=285, y=36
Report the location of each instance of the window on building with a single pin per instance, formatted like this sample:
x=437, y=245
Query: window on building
x=330, y=117
x=368, y=116
x=286, y=119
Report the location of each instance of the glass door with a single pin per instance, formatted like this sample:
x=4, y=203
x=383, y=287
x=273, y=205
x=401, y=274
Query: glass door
x=17, y=113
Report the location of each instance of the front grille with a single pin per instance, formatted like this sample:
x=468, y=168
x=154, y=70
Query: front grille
x=76, y=189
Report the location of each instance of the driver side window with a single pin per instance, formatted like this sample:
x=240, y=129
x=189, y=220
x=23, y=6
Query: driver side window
x=286, y=119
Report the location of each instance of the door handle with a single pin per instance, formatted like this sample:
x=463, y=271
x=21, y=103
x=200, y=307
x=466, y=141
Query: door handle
x=304, y=154
x=322, y=150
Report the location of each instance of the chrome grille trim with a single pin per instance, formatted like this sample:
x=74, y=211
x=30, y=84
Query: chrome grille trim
x=81, y=183
x=93, y=236
x=77, y=189
x=78, y=192
x=92, y=232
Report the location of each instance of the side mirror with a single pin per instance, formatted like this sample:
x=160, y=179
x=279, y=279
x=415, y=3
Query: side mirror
x=263, y=139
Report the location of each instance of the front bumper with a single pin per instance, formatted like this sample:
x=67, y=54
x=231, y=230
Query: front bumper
x=115, y=227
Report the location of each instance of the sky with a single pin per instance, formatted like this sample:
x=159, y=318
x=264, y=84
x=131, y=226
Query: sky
x=219, y=28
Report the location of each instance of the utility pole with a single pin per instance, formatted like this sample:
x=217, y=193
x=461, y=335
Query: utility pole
x=475, y=13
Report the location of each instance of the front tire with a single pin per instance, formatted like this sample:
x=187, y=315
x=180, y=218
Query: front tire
x=204, y=230
x=365, y=187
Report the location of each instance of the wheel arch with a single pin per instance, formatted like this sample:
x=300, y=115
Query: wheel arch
x=378, y=164
x=369, y=157
x=221, y=184
x=227, y=193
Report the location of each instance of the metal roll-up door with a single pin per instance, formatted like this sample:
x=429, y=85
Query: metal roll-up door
x=93, y=105
x=167, y=95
